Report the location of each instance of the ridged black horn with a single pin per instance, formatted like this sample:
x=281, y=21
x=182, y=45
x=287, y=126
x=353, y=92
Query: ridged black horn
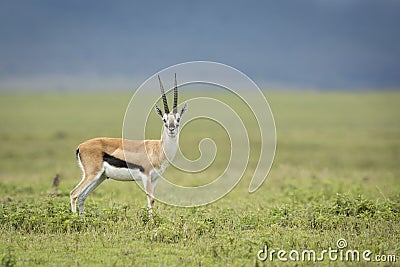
x=164, y=98
x=175, y=96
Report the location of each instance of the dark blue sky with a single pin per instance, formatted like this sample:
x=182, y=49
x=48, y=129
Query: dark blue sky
x=317, y=44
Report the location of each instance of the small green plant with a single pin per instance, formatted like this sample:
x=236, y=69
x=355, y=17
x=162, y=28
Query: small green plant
x=9, y=259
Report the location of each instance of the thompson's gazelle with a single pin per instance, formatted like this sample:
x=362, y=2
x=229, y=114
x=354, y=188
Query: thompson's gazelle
x=129, y=160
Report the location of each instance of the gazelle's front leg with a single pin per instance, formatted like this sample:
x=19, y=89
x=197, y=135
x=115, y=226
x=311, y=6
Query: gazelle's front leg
x=148, y=188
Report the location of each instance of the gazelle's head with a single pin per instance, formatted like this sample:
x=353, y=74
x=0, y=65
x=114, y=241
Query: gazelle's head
x=171, y=119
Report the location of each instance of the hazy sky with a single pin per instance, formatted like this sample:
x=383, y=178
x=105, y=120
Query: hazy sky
x=318, y=43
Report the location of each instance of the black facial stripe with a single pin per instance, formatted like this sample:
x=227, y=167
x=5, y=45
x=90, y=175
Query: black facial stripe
x=119, y=163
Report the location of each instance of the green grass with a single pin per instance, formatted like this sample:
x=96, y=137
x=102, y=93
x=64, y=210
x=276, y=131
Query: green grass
x=335, y=175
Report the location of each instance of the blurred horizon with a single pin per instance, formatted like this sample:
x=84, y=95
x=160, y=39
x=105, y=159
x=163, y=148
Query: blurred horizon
x=116, y=45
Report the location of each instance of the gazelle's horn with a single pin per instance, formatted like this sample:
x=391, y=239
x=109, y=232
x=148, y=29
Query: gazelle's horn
x=175, y=96
x=164, y=98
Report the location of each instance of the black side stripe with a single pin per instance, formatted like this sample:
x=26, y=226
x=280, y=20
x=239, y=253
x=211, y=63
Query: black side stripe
x=119, y=163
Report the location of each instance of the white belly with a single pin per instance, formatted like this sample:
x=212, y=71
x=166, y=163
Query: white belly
x=121, y=174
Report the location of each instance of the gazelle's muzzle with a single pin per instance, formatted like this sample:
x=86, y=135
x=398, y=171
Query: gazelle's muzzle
x=171, y=130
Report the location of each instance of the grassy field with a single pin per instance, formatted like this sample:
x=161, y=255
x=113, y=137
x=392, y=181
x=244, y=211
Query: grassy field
x=336, y=175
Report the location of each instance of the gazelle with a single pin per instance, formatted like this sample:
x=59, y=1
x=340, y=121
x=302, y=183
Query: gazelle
x=129, y=160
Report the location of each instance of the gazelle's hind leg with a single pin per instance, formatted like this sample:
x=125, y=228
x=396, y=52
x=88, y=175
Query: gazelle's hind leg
x=73, y=195
x=82, y=190
x=93, y=175
x=75, y=192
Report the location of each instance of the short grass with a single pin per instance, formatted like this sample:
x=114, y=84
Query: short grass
x=336, y=175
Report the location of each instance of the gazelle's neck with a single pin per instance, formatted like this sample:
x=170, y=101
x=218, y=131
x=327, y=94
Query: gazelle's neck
x=169, y=144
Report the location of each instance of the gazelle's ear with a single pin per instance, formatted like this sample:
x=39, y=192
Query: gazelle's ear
x=184, y=108
x=158, y=110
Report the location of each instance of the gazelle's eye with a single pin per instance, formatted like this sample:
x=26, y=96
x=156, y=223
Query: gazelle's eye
x=178, y=119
